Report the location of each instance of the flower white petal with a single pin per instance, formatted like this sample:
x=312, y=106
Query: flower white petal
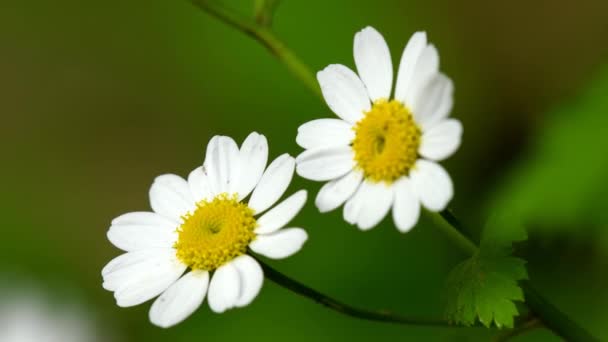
x=144, y=218
x=170, y=196
x=432, y=184
x=180, y=300
x=281, y=214
x=222, y=164
x=344, y=92
x=253, y=158
x=135, y=231
x=280, y=244
x=325, y=133
x=118, y=269
x=369, y=205
x=434, y=101
x=374, y=65
x=139, y=276
x=273, y=183
x=252, y=278
x=224, y=288
x=442, y=140
x=406, y=209
x=325, y=163
x=407, y=65
x=334, y=193
x=426, y=68
x=199, y=185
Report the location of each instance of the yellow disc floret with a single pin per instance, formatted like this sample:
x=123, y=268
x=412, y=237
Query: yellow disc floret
x=386, y=141
x=215, y=233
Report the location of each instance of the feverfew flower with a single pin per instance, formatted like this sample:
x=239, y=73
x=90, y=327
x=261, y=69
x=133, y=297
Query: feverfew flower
x=382, y=152
x=28, y=315
x=203, y=227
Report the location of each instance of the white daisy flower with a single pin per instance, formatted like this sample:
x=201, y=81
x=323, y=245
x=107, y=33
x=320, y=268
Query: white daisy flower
x=203, y=227
x=28, y=315
x=382, y=152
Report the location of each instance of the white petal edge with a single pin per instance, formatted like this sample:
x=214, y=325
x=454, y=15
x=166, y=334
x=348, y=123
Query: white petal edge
x=325, y=133
x=253, y=157
x=180, y=300
x=426, y=68
x=334, y=193
x=325, y=163
x=281, y=214
x=252, y=278
x=344, y=92
x=199, y=185
x=139, y=276
x=369, y=205
x=143, y=218
x=224, y=288
x=222, y=165
x=170, y=196
x=135, y=231
x=373, y=61
x=442, y=140
x=406, y=209
x=412, y=51
x=122, y=267
x=273, y=183
x=434, y=101
x=432, y=184
x=280, y=244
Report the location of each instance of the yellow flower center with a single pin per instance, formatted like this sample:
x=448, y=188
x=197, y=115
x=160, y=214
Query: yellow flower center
x=217, y=232
x=386, y=141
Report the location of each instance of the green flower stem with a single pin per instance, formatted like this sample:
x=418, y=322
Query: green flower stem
x=447, y=222
x=379, y=316
x=260, y=31
x=553, y=318
x=548, y=314
x=530, y=324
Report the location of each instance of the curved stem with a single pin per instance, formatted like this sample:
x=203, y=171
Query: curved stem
x=553, y=318
x=526, y=326
x=261, y=32
x=455, y=231
x=333, y=304
x=550, y=316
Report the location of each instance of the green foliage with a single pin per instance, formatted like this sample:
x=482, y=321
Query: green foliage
x=561, y=184
x=485, y=286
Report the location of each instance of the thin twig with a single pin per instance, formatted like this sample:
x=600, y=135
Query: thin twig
x=266, y=37
x=531, y=324
x=380, y=316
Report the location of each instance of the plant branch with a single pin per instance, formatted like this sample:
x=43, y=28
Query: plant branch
x=264, y=35
x=333, y=304
x=530, y=324
x=455, y=231
x=264, y=10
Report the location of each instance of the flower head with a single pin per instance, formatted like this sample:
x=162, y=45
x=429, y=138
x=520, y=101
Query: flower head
x=29, y=314
x=382, y=152
x=203, y=227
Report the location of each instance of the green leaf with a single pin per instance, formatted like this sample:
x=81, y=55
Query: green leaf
x=560, y=184
x=484, y=286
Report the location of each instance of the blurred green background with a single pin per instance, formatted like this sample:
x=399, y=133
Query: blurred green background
x=98, y=98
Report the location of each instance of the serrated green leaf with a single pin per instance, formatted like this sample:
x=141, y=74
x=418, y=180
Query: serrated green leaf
x=484, y=287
